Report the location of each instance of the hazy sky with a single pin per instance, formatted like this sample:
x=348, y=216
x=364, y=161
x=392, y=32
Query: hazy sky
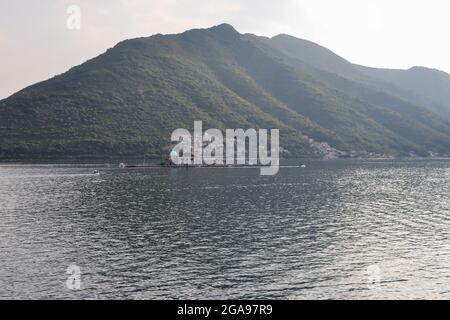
x=36, y=44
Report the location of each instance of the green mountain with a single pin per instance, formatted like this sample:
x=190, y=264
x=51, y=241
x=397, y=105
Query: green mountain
x=127, y=101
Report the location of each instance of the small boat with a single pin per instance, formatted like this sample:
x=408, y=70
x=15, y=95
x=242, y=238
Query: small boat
x=122, y=165
x=303, y=166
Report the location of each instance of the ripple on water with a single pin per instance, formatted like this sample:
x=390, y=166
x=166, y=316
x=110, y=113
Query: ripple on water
x=305, y=233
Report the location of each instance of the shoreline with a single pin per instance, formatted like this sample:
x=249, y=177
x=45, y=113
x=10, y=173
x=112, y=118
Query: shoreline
x=133, y=162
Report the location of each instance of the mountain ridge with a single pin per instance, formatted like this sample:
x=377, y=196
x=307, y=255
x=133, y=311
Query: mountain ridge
x=127, y=100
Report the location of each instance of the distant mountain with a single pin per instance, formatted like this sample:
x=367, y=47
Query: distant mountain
x=128, y=100
x=428, y=87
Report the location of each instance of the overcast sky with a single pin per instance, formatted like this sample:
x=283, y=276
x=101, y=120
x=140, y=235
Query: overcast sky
x=36, y=44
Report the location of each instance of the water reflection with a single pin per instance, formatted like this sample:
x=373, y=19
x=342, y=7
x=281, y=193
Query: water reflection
x=227, y=233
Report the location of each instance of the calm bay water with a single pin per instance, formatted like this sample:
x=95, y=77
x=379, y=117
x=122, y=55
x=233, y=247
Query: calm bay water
x=227, y=233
